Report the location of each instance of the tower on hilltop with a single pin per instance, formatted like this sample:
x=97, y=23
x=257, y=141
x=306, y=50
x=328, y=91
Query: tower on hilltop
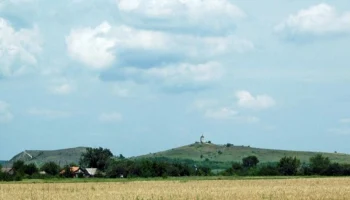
x=202, y=139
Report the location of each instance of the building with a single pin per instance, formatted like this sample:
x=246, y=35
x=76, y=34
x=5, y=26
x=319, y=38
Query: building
x=7, y=170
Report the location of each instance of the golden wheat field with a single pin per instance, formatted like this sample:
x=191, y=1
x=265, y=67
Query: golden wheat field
x=313, y=188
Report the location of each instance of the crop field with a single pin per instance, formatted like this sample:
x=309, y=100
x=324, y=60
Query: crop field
x=299, y=188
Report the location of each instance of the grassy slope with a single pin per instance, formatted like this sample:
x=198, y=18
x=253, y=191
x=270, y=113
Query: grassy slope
x=62, y=156
x=236, y=153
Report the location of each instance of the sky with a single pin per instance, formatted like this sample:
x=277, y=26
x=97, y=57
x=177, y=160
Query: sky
x=139, y=76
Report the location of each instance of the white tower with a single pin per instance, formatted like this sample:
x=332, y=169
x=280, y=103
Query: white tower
x=202, y=139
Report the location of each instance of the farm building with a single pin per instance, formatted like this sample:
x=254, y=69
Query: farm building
x=81, y=172
x=7, y=170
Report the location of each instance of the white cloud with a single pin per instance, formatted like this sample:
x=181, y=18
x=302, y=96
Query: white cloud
x=62, y=89
x=345, y=121
x=92, y=46
x=187, y=72
x=99, y=47
x=20, y=46
x=5, y=113
x=184, y=74
x=221, y=113
x=110, y=117
x=320, y=19
x=213, y=14
x=48, y=113
x=247, y=100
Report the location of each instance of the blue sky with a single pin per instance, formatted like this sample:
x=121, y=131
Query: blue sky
x=139, y=76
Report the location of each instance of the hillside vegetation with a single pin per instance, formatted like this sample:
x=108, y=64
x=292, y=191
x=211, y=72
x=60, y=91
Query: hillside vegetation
x=39, y=157
x=230, y=153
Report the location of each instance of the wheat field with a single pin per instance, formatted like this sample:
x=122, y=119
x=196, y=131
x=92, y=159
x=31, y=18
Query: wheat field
x=312, y=188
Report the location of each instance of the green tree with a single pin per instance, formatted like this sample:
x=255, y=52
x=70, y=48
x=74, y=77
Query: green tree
x=250, y=161
x=288, y=166
x=319, y=164
x=30, y=169
x=334, y=169
x=51, y=168
x=18, y=167
x=96, y=158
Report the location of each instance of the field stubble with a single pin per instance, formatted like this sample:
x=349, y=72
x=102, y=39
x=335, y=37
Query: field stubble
x=315, y=188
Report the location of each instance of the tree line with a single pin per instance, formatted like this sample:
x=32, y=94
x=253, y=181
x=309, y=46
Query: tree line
x=318, y=165
x=110, y=166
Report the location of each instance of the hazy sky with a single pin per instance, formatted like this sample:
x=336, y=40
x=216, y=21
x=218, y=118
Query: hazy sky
x=139, y=76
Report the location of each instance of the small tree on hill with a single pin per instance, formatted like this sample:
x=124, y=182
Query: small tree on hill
x=250, y=161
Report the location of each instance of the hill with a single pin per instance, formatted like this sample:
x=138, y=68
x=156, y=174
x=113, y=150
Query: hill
x=2, y=162
x=39, y=157
x=224, y=155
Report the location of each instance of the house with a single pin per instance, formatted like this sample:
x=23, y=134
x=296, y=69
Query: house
x=90, y=172
x=75, y=171
x=7, y=170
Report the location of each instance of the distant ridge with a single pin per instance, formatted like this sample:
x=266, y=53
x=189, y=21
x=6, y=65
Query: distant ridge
x=39, y=157
x=230, y=153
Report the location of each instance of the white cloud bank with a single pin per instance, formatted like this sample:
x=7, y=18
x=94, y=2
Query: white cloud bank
x=317, y=20
x=5, y=113
x=18, y=49
x=98, y=47
x=183, y=74
x=213, y=14
x=247, y=100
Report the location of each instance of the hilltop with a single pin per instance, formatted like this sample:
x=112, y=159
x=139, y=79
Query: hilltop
x=228, y=153
x=210, y=155
x=39, y=157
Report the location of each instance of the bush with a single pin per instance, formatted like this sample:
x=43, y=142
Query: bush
x=250, y=161
x=268, y=170
x=288, y=166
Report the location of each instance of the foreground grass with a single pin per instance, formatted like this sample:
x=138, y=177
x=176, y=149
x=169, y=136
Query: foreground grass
x=184, y=179
x=248, y=188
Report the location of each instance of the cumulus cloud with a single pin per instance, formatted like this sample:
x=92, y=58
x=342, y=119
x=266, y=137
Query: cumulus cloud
x=5, y=113
x=321, y=19
x=46, y=113
x=99, y=47
x=62, y=89
x=247, y=100
x=215, y=15
x=110, y=117
x=18, y=49
x=92, y=46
